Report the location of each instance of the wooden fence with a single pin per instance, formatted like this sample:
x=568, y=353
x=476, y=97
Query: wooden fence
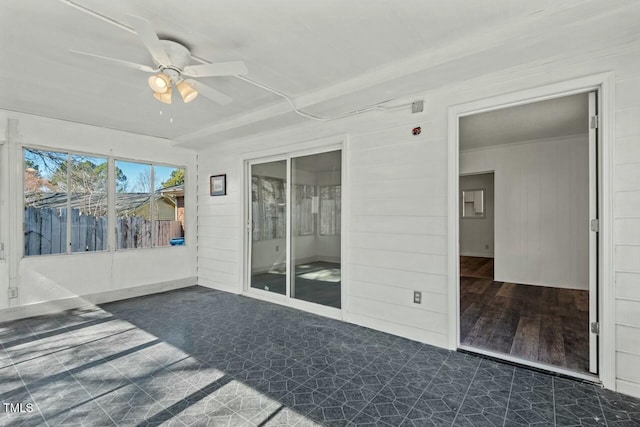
x=45, y=231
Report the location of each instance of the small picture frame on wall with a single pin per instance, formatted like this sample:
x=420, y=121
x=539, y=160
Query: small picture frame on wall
x=218, y=185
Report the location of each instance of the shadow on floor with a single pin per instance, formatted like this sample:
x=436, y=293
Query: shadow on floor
x=202, y=357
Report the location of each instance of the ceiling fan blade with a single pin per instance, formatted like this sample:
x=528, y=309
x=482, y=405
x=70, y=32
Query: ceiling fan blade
x=234, y=68
x=140, y=67
x=209, y=92
x=150, y=39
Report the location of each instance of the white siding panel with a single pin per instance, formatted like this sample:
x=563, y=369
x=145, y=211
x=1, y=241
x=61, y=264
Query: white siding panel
x=628, y=312
x=210, y=273
x=626, y=92
x=407, y=331
x=628, y=285
x=398, y=296
x=220, y=232
x=627, y=123
x=628, y=150
x=428, y=321
x=628, y=258
x=628, y=176
x=628, y=339
x=220, y=220
x=366, y=175
x=627, y=204
x=627, y=230
x=371, y=186
x=229, y=267
x=400, y=279
x=433, y=206
x=400, y=242
x=628, y=367
x=400, y=225
x=422, y=263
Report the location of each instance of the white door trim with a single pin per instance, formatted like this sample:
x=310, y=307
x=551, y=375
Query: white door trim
x=604, y=84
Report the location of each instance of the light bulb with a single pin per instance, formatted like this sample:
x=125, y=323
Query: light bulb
x=159, y=83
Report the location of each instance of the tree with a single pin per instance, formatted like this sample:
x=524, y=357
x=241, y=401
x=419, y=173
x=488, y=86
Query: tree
x=34, y=182
x=176, y=178
x=143, y=181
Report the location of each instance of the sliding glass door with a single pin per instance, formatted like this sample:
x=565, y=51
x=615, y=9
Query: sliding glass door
x=268, y=216
x=315, y=225
x=295, y=231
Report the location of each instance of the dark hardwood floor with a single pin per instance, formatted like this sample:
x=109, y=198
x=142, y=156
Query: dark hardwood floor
x=472, y=266
x=542, y=324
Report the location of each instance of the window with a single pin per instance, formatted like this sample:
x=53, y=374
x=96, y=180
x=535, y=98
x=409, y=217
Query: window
x=303, y=202
x=149, y=215
x=133, y=206
x=66, y=203
x=330, y=210
x=65, y=200
x=168, y=205
x=269, y=208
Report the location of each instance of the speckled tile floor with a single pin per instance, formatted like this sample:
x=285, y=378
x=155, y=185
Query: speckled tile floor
x=202, y=357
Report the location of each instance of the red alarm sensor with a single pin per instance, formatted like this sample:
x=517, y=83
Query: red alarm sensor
x=416, y=131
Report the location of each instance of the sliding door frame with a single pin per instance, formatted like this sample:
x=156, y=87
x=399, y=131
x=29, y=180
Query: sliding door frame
x=248, y=224
x=287, y=153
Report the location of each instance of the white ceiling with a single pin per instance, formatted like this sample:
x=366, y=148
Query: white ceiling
x=316, y=51
x=539, y=120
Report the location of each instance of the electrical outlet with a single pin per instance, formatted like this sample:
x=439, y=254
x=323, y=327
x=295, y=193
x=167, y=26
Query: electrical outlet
x=277, y=248
x=417, y=297
x=13, y=293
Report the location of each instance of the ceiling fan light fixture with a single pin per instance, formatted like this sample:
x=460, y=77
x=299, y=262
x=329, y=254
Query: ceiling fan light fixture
x=164, y=97
x=160, y=83
x=187, y=92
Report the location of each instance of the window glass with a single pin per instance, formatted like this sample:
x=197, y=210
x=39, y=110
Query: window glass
x=330, y=210
x=45, y=202
x=304, y=202
x=168, y=205
x=269, y=208
x=88, y=183
x=133, y=205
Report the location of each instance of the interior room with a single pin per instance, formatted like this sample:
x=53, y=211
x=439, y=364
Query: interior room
x=524, y=232
x=315, y=213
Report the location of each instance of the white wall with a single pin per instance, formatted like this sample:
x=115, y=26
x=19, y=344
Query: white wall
x=476, y=234
x=62, y=281
x=541, y=210
x=396, y=240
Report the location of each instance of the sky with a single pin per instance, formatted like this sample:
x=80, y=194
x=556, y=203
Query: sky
x=131, y=170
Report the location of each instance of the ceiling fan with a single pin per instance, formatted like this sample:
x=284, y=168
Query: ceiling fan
x=171, y=61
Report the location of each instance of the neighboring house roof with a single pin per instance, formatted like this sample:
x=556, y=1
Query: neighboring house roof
x=175, y=190
x=125, y=202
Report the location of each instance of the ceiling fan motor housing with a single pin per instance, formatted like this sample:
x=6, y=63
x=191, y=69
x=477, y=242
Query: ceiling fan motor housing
x=179, y=56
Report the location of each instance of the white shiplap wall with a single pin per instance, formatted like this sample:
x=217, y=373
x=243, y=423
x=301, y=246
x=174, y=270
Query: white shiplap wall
x=397, y=226
x=541, y=209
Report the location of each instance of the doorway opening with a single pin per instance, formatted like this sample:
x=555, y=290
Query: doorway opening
x=294, y=227
x=527, y=231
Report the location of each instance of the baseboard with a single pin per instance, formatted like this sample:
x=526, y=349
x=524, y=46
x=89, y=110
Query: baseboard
x=476, y=254
x=544, y=285
x=628, y=387
x=56, y=306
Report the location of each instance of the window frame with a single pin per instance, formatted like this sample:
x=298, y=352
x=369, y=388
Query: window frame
x=111, y=194
x=151, y=164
